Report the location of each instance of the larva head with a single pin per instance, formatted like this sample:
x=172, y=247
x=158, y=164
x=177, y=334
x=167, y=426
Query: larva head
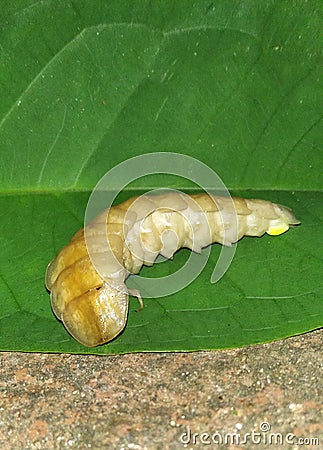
x=285, y=220
x=97, y=316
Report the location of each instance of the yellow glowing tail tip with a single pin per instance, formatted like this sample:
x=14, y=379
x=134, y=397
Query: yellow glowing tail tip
x=276, y=230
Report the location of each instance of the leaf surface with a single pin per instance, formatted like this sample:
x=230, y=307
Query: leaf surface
x=88, y=84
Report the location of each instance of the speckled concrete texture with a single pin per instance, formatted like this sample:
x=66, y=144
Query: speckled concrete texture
x=166, y=401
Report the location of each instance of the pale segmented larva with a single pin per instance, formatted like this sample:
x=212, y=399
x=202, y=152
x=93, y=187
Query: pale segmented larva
x=93, y=306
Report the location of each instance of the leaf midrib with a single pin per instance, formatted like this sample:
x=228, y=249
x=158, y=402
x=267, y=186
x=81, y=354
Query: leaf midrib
x=37, y=191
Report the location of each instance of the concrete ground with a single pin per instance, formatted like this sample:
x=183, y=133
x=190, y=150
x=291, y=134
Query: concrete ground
x=261, y=397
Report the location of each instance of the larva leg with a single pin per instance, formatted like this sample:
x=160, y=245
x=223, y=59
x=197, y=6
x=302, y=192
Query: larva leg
x=136, y=293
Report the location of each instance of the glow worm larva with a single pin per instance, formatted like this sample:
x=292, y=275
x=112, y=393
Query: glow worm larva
x=93, y=306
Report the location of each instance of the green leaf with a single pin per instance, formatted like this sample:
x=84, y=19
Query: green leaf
x=87, y=84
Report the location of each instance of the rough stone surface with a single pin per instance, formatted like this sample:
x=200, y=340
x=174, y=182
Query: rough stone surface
x=147, y=401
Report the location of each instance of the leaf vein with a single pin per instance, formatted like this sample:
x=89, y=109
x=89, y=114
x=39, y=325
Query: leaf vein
x=51, y=148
